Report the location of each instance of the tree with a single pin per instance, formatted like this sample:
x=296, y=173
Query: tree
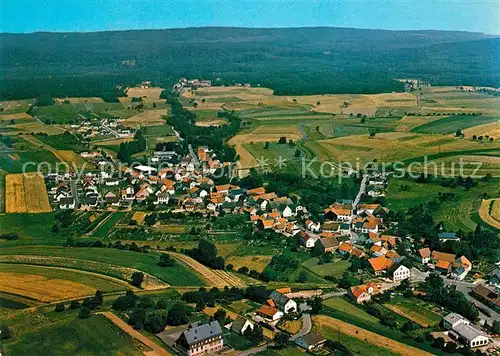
x=99, y=297
x=266, y=145
x=74, y=304
x=282, y=140
x=372, y=135
x=302, y=278
x=318, y=103
x=60, y=307
x=200, y=305
x=220, y=315
x=137, y=316
x=280, y=340
x=5, y=332
x=123, y=303
x=316, y=305
x=178, y=315
x=439, y=343
x=166, y=260
x=458, y=133
x=161, y=304
x=137, y=279
x=254, y=335
x=84, y=312
x=450, y=347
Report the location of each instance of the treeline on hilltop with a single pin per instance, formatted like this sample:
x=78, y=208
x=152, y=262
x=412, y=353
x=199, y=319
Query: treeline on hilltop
x=296, y=61
x=44, y=89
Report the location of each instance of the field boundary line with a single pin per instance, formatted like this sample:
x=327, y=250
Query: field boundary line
x=134, y=334
x=369, y=336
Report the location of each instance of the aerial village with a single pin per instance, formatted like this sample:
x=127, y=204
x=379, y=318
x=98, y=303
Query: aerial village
x=349, y=229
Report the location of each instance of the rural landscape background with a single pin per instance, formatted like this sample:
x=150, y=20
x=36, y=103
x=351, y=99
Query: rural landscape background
x=89, y=268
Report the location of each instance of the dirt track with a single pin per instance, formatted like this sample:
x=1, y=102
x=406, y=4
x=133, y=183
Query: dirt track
x=156, y=349
x=214, y=278
x=323, y=321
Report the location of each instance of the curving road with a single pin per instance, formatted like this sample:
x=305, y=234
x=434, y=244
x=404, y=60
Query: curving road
x=306, y=327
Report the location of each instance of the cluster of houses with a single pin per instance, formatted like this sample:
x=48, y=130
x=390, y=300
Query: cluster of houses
x=489, y=292
x=192, y=83
x=96, y=128
x=447, y=264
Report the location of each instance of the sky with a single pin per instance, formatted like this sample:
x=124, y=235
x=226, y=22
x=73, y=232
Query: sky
x=22, y=16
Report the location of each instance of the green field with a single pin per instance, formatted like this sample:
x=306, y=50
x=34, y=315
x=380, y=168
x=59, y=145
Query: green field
x=451, y=124
x=2, y=192
x=456, y=213
x=343, y=306
x=63, y=142
x=155, y=131
x=104, y=229
x=94, y=336
x=417, y=309
x=335, y=269
x=178, y=275
x=356, y=346
x=27, y=161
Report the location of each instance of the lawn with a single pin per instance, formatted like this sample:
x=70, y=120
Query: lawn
x=343, y=306
x=336, y=268
x=240, y=307
x=178, y=275
x=93, y=336
x=415, y=310
x=449, y=125
x=237, y=341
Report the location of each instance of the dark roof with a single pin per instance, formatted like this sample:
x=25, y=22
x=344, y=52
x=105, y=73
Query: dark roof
x=238, y=324
x=278, y=298
x=65, y=201
x=196, y=333
x=313, y=338
x=448, y=235
x=328, y=242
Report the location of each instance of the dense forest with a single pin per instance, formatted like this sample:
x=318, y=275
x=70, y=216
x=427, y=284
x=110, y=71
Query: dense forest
x=291, y=61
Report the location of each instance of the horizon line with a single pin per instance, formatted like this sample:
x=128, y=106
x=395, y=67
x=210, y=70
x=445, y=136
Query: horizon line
x=246, y=27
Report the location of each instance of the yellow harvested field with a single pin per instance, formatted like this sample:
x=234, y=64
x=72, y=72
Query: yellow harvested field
x=215, y=278
x=409, y=122
x=139, y=217
x=147, y=118
x=72, y=159
x=35, y=126
x=257, y=263
x=114, y=142
x=42, y=288
x=356, y=103
x=261, y=134
x=386, y=148
x=26, y=193
x=492, y=130
x=325, y=322
x=206, y=123
x=291, y=326
x=76, y=100
x=137, y=92
x=492, y=219
x=16, y=116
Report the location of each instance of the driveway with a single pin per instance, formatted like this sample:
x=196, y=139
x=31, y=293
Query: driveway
x=306, y=327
